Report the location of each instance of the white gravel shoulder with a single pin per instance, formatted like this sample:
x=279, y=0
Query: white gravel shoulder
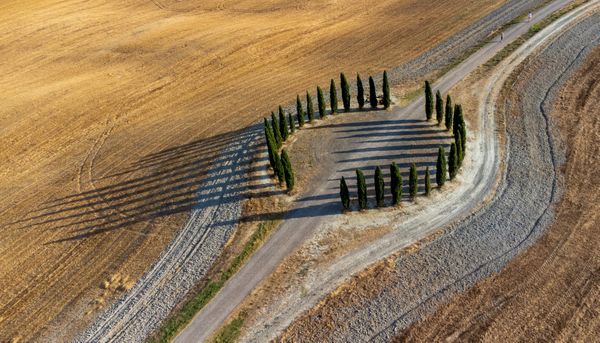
x=188, y=257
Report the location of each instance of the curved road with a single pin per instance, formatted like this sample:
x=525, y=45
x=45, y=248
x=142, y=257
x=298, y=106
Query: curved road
x=306, y=216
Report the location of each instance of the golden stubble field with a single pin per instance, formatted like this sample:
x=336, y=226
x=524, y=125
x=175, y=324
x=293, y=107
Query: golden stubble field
x=112, y=110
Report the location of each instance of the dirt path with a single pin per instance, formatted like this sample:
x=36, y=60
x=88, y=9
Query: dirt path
x=551, y=291
x=302, y=221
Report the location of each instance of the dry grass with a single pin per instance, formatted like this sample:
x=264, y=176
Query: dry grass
x=111, y=112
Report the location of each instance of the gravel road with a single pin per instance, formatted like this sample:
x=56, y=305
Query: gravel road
x=481, y=245
x=304, y=219
x=189, y=256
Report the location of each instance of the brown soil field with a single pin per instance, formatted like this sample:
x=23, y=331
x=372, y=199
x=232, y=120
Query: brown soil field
x=552, y=291
x=112, y=110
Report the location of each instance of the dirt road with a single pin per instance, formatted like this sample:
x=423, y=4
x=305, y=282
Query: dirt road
x=306, y=217
x=550, y=292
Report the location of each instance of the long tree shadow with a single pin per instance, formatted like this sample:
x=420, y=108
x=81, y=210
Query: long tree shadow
x=192, y=176
x=159, y=185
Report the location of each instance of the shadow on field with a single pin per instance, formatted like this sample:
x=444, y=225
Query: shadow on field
x=157, y=186
x=198, y=175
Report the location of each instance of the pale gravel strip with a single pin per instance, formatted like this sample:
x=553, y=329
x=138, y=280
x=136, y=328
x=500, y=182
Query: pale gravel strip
x=187, y=258
x=513, y=221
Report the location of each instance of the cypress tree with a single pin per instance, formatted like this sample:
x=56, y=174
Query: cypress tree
x=440, y=169
x=379, y=187
x=459, y=151
x=453, y=161
x=387, y=101
x=449, y=112
x=360, y=92
x=287, y=170
x=321, y=102
x=361, y=185
x=372, y=93
x=333, y=97
x=279, y=170
x=439, y=107
x=428, y=100
x=271, y=147
x=310, y=110
x=299, y=111
x=413, y=181
x=427, y=182
x=344, y=194
x=396, y=183
x=457, y=118
x=283, y=125
x=276, y=130
x=292, y=123
x=345, y=92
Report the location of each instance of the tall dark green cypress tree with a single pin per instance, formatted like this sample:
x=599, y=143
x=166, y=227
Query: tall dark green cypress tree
x=449, y=112
x=276, y=130
x=453, y=161
x=396, y=183
x=344, y=194
x=310, y=110
x=279, y=169
x=457, y=118
x=427, y=182
x=321, y=102
x=360, y=92
x=413, y=181
x=345, y=92
x=459, y=151
x=440, y=168
x=333, y=97
x=270, y=140
x=290, y=179
x=292, y=123
x=439, y=108
x=372, y=93
x=428, y=100
x=299, y=111
x=283, y=124
x=387, y=100
x=379, y=187
x=361, y=186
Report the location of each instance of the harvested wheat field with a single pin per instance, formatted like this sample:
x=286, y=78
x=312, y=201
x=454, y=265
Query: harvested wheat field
x=112, y=110
x=552, y=291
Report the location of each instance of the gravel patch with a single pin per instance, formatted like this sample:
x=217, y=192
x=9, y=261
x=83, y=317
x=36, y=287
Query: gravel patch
x=485, y=242
x=189, y=256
